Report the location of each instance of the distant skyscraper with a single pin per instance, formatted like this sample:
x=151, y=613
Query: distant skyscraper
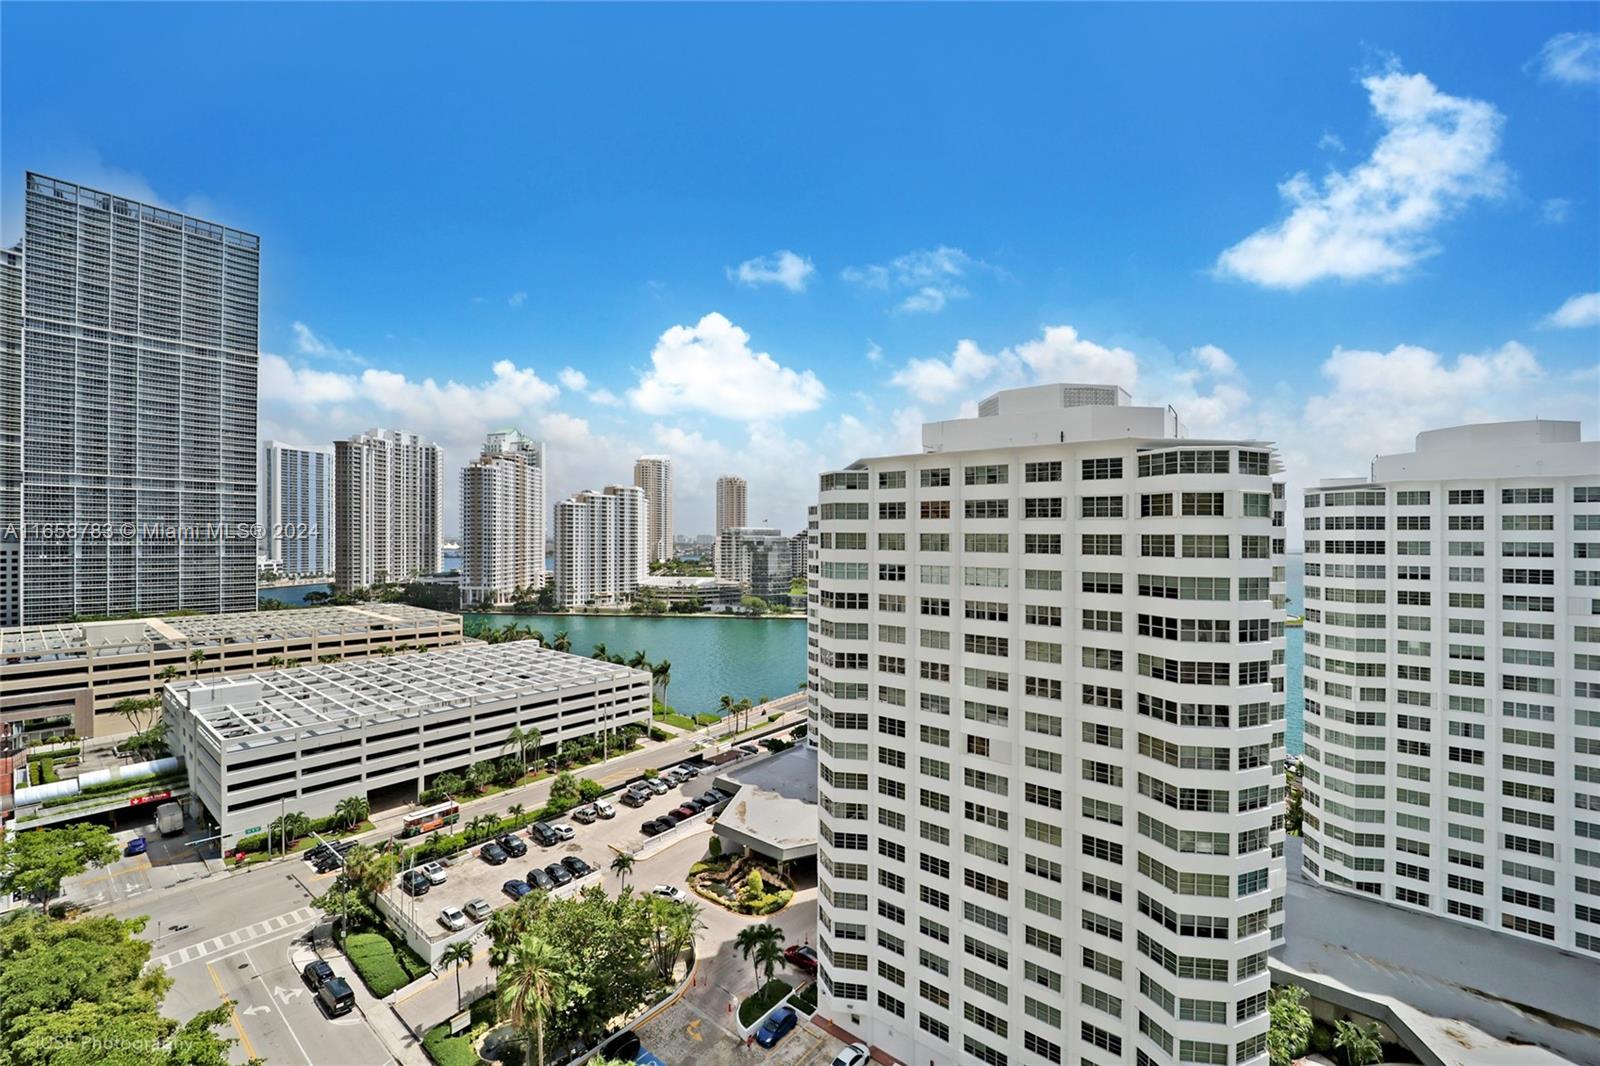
x=1452, y=681
x=799, y=550
x=297, y=509
x=731, y=510
x=653, y=474
x=601, y=545
x=388, y=503
x=127, y=409
x=502, y=520
x=758, y=559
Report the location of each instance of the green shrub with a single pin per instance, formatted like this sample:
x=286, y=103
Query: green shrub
x=767, y=997
x=805, y=1000
x=374, y=959
x=714, y=846
x=447, y=1050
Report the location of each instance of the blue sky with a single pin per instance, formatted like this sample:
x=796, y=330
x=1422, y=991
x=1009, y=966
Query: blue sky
x=766, y=240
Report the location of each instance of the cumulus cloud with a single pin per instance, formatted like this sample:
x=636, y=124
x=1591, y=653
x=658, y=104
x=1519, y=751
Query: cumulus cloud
x=1330, y=142
x=517, y=299
x=1438, y=153
x=710, y=367
x=782, y=267
x=1058, y=354
x=307, y=342
x=1214, y=359
x=1578, y=311
x=934, y=380
x=1570, y=58
x=874, y=351
x=573, y=379
x=924, y=280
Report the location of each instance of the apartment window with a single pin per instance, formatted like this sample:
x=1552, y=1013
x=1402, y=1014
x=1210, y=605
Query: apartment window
x=1100, y=507
x=938, y=477
x=993, y=474
x=1042, y=471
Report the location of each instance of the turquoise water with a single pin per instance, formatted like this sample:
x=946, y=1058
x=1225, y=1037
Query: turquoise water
x=710, y=656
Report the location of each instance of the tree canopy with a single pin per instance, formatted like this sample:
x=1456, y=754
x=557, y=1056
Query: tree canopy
x=36, y=861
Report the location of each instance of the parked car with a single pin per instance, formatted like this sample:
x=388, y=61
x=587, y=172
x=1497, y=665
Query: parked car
x=542, y=833
x=665, y=824
x=559, y=874
x=777, y=1026
x=694, y=806
x=676, y=816
x=563, y=831
x=624, y=1046
x=854, y=1055
x=453, y=919
x=650, y=828
x=672, y=892
x=673, y=777
x=576, y=866
x=710, y=797
x=493, y=854
x=656, y=785
x=433, y=871
x=604, y=809
x=690, y=769
x=512, y=845
x=801, y=957
x=336, y=997
x=136, y=846
x=631, y=798
x=750, y=749
x=516, y=889
x=478, y=910
x=583, y=815
x=414, y=883
x=539, y=879
x=316, y=974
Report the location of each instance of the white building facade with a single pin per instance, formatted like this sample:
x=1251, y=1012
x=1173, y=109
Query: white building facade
x=1452, y=681
x=653, y=474
x=296, y=510
x=127, y=409
x=387, y=493
x=759, y=560
x=602, y=545
x=503, y=520
x=1047, y=674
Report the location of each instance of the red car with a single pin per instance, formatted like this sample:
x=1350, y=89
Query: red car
x=801, y=957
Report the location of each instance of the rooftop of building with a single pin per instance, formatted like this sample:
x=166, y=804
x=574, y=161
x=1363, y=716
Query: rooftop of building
x=105, y=201
x=682, y=581
x=68, y=639
x=251, y=710
x=1529, y=448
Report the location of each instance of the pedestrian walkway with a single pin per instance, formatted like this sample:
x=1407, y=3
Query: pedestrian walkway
x=236, y=938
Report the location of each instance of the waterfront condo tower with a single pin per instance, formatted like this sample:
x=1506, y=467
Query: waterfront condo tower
x=127, y=409
x=1452, y=681
x=1047, y=671
x=296, y=509
x=602, y=545
x=387, y=495
x=732, y=497
x=502, y=520
x=653, y=474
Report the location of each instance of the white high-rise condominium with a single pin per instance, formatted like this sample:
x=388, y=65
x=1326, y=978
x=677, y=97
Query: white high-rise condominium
x=760, y=560
x=1452, y=681
x=297, y=509
x=388, y=502
x=653, y=474
x=502, y=520
x=1049, y=686
x=127, y=408
x=732, y=492
x=602, y=548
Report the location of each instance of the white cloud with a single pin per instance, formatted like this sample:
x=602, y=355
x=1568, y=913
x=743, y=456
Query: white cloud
x=1578, y=311
x=1058, y=354
x=1571, y=58
x=780, y=268
x=573, y=379
x=710, y=367
x=930, y=278
x=576, y=381
x=1214, y=359
x=1555, y=210
x=874, y=352
x=934, y=380
x=1330, y=142
x=1061, y=355
x=1437, y=154
x=278, y=379
x=517, y=299
x=307, y=342
x=604, y=397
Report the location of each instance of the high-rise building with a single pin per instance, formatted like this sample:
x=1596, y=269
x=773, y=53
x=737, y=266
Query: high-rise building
x=127, y=408
x=799, y=549
x=602, y=548
x=1452, y=681
x=502, y=520
x=653, y=474
x=387, y=494
x=732, y=492
x=296, y=512
x=760, y=560
x=1050, y=697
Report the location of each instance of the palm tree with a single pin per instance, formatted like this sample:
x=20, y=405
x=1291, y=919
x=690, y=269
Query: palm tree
x=519, y=739
x=459, y=953
x=1362, y=1044
x=479, y=774
x=479, y=827
x=532, y=737
x=369, y=872
x=661, y=674
x=352, y=810
x=561, y=642
x=752, y=940
x=599, y=653
x=169, y=672
x=534, y=986
x=637, y=661
x=622, y=866
x=517, y=810
x=744, y=710
x=769, y=953
x=196, y=658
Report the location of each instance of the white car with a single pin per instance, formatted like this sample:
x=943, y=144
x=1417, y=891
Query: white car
x=656, y=785
x=854, y=1055
x=453, y=919
x=604, y=809
x=563, y=831
x=672, y=892
x=433, y=871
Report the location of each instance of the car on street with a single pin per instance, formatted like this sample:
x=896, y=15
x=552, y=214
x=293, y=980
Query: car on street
x=478, y=910
x=335, y=997
x=656, y=785
x=583, y=815
x=777, y=1026
x=542, y=833
x=516, y=889
x=604, y=809
x=576, y=866
x=559, y=874
x=563, y=831
x=433, y=871
x=854, y=1055
x=512, y=845
x=801, y=957
x=414, y=883
x=453, y=919
x=136, y=846
x=539, y=879
x=672, y=892
x=316, y=974
x=493, y=854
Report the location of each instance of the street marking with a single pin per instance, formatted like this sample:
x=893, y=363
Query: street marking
x=284, y=995
x=234, y=938
x=259, y=1008
x=292, y=1034
x=238, y=1026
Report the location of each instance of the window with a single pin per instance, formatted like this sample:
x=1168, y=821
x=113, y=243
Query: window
x=1042, y=471
x=1100, y=507
x=1203, y=504
x=996, y=474
x=1102, y=469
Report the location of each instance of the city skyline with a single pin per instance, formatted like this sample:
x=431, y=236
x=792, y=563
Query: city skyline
x=1234, y=270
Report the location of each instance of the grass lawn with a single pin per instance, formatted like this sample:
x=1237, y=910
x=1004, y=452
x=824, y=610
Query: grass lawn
x=756, y=1006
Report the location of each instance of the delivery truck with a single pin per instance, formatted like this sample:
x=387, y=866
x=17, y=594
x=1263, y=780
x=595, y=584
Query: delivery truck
x=169, y=819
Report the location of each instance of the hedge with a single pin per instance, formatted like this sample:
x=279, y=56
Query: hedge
x=756, y=1006
x=374, y=959
x=447, y=1050
x=805, y=1000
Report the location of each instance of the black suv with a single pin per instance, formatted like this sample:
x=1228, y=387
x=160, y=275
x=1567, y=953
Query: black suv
x=542, y=833
x=493, y=854
x=317, y=974
x=512, y=846
x=415, y=883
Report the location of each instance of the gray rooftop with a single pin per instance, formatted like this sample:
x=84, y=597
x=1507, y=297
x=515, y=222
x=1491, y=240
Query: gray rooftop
x=774, y=808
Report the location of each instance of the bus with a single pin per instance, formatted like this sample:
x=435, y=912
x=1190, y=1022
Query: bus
x=433, y=818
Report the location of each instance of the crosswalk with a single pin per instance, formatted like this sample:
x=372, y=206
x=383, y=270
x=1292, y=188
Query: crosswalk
x=236, y=938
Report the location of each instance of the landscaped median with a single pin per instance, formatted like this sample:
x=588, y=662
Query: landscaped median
x=461, y=1050
x=383, y=966
x=769, y=995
